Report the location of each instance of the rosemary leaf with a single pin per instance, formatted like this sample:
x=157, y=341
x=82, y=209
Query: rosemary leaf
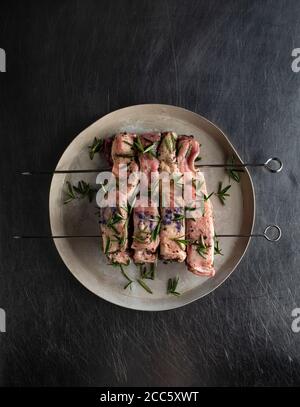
x=107, y=246
x=95, y=147
x=144, y=285
x=222, y=193
x=234, y=172
x=206, y=197
x=181, y=242
x=156, y=231
x=172, y=286
x=217, y=249
x=178, y=217
x=202, y=247
x=125, y=274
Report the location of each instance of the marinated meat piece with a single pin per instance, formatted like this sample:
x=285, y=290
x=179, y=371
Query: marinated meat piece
x=146, y=219
x=199, y=227
x=172, y=217
x=114, y=219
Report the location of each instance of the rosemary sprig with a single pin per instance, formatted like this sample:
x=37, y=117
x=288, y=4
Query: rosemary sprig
x=82, y=191
x=138, y=146
x=222, y=193
x=130, y=281
x=202, y=247
x=120, y=239
x=188, y=151
x=181, y=242
x=107, y=246
x=70, y=193
x=206, y=197
x=144, y=285
x=95, y=147
x=169, y=141
x=190, y=208
x=152, y=270
x=217, y=249
x=172, y=286
x=116, y=218
x=178, y=216
x=156, y=231
x=147, y=273
x=234, y=172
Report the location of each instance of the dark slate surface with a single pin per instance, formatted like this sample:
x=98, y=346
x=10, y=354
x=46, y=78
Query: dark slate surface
x=69, y=63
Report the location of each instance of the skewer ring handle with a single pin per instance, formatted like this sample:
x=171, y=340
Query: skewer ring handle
x=272, y=233
x=273, y=164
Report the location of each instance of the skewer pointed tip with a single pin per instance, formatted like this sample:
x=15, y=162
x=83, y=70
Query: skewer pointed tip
x=17, y=237
x=26, y=173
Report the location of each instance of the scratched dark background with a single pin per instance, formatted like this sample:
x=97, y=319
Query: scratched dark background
x=68, y=64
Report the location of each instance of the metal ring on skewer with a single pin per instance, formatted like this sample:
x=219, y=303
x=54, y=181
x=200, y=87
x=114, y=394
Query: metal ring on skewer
x=273, y=164
x=272, y=233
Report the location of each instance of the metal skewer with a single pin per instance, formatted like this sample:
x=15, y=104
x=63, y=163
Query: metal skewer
x=273, y=164
x=266, y=234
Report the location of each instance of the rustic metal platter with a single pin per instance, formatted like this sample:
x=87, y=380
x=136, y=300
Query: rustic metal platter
x=83, y=256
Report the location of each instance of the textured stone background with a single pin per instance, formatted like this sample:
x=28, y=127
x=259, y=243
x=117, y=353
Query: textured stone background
x=69, y=63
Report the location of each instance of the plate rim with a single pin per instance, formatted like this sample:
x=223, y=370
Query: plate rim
x=184, y=302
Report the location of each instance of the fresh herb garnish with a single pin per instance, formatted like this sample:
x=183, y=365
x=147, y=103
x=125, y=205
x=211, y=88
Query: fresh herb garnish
x=107, y=246
x=140, y=238
x=202, y=247
x=152, y=270
x=147, y=274
x=70, y=193
x=217, y=249
x=188, y=151
x=115, y=218
x=181, y=242
x=95, y=147
x=234, y=172
x=172, y=286
x=198, y=158
x=169, y=141
x=120, y=239
x=138, y=145
x=82, y=190
x=156, y=231
x=206, y=197
x=178, y=216
x=189, y=208
x=222, y=193
x=144, y=285
x=130, y=281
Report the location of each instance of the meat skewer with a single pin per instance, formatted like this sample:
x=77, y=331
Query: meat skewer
x=114, y=219
x=272, y=233
x=272, y=164
x=199, y=222
x=146, y=219
x=172, y=216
